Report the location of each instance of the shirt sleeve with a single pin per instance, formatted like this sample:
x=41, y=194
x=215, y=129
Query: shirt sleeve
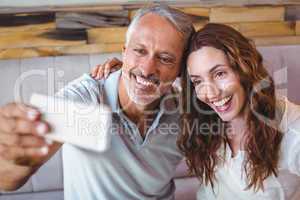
x=83, y=89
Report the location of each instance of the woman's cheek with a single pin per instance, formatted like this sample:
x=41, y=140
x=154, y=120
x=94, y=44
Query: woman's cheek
x=200, y=93
x=226, y=85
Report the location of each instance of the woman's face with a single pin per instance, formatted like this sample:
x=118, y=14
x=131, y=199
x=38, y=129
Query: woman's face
x=216, y=83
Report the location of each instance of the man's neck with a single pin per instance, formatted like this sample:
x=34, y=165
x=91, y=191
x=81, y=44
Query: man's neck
x=140, y=115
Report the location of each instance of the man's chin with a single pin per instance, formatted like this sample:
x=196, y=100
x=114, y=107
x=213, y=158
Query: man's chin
x=144, y=101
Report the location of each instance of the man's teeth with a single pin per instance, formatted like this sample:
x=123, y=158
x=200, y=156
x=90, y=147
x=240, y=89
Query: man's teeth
x=143, y=81
x=222, y=102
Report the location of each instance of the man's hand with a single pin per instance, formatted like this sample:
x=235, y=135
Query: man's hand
x=103, y=70
x=22, y=146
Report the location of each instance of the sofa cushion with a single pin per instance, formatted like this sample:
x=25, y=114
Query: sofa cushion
x=50, y=195
x=186, y=188
x=181, y=170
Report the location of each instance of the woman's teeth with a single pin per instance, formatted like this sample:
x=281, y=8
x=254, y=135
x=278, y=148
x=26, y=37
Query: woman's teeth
x=143, y=81
x=222, y=102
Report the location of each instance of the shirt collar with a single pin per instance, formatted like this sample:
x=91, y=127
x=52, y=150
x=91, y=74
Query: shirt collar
x=111, y=90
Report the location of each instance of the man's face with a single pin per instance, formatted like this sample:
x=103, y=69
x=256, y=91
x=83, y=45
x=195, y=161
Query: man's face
x=151, y=59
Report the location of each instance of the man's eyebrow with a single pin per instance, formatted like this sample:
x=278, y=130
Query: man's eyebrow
x=139, y=45
x=168, y=54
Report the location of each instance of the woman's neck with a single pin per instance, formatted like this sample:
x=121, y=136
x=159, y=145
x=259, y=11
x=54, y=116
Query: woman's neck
x=236, y=135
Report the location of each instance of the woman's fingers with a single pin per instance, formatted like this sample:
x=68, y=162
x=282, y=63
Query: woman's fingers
x=103, y=70
x=113, y=65
x=94, y=71
x=100, y=71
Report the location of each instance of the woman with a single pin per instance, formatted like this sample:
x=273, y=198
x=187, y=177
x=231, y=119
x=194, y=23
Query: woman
x=245, y=157
x=238, y=137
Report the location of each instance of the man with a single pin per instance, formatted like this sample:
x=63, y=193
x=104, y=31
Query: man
x=141, y=161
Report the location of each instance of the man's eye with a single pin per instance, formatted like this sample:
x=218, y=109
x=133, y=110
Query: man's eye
x=166, y=60
x=139, y=51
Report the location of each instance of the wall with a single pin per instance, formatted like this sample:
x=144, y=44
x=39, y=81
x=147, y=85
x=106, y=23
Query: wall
x=44, y=75
x=48, y=74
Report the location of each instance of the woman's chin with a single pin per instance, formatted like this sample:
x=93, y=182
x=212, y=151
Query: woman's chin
x=226, y=117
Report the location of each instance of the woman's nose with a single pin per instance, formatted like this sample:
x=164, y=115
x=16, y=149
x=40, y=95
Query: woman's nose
x=208, y=92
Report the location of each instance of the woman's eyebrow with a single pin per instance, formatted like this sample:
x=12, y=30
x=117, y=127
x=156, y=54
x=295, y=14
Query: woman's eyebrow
x=210, y=71
x=216, y=67
x=194, y=76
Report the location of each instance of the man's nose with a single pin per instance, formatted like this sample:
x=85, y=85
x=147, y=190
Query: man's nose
x=148, y=67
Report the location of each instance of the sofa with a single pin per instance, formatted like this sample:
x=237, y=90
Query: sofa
x=47, y=183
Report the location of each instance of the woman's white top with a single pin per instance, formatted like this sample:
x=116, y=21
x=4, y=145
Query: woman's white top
x=231, y=180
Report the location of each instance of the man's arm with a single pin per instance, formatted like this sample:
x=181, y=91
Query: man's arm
x=23, y=148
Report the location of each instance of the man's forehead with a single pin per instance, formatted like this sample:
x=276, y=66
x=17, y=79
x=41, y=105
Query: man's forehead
x=160, y=32
x=153, y=17
x=157, y=22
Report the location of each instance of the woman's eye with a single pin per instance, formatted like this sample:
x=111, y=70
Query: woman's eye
x=220, y=74
x=196, y=82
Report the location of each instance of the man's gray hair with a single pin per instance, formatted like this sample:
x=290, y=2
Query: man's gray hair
x=181, y=21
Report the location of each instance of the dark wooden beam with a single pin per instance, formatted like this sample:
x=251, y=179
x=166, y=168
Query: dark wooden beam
x=119, y=5
x=25, y=19
x=72, y=20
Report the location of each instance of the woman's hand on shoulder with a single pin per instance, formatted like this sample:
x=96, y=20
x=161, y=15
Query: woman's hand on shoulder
x=103, y=70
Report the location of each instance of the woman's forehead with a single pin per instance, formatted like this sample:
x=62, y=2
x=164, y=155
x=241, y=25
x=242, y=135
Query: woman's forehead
x=206, y=58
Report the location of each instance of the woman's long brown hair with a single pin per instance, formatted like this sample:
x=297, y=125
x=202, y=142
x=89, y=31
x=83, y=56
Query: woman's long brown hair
x=262, y=144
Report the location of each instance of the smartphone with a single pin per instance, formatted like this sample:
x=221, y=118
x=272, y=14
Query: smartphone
x=82, y=125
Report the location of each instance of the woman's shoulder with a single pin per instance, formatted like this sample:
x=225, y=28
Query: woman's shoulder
x=288, y=113
x=290, y=127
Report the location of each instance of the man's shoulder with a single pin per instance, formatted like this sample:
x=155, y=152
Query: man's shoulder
x=86, y=89
x=82, y=89
x=84, y=80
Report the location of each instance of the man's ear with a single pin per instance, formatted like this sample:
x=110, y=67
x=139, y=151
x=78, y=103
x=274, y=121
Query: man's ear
x=182, y=68
x=123, y=50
